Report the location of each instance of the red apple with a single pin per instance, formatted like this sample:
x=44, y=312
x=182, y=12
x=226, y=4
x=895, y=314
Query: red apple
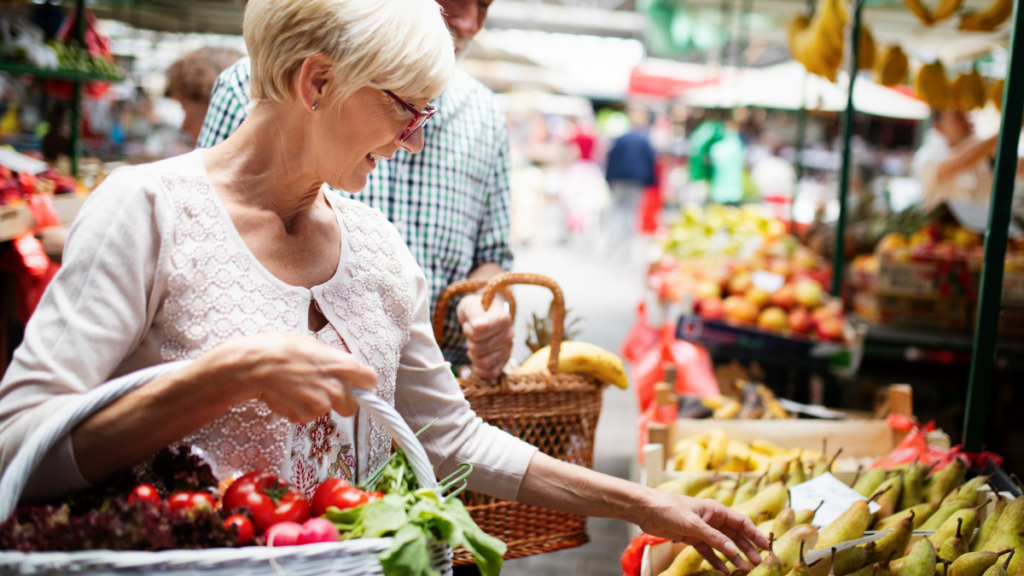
x=759, y=297
x=772, y=319
x=740, y=283
x=780, y=267
x=784, y=297
x=711, y=308
x=800, y=321
x=739, y=309
x=808, y=293
x=830, y=328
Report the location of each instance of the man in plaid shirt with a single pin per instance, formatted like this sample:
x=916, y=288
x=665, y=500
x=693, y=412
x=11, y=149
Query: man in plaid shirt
x=450, y=203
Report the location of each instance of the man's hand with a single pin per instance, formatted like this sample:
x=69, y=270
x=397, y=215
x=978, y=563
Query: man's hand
x=488, y=335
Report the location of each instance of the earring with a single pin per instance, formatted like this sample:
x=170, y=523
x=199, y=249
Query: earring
x=315, y=105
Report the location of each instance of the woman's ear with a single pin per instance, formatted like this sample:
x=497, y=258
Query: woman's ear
x=313, y=77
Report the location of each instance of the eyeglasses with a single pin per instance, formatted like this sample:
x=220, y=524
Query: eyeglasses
x=419, y=117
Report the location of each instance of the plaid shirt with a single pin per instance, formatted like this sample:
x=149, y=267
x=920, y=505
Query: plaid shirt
x=450, y=203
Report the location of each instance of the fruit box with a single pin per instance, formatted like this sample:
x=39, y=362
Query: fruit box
x=925, y=277
x=946, y=314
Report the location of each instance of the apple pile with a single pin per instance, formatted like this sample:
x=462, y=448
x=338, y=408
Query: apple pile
x=800, y=305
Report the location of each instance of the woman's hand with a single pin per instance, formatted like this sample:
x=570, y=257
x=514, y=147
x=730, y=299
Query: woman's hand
x=704, y=524
x=298, y=377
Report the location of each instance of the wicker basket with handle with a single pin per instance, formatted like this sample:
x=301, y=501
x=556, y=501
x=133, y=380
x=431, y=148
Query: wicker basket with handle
x=357, y=557
x=557, y=413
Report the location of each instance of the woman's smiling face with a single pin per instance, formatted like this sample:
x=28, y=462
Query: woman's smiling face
x=355, y=134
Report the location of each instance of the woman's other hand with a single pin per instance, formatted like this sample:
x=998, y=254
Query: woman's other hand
x=705, y=525
x=296, y=376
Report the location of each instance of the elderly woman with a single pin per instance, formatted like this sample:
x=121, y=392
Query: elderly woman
x=287, y=297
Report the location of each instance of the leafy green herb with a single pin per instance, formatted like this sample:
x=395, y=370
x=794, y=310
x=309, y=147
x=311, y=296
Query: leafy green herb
x=413, y=517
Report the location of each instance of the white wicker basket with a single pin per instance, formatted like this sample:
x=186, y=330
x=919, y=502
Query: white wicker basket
x=348, y=558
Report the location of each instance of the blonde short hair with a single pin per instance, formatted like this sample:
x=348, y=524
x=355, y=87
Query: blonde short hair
x=399, y=45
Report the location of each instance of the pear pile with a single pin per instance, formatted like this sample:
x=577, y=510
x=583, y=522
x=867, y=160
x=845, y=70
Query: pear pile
x=910, y=497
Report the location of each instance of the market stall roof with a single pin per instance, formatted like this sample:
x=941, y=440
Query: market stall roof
x=667, y=78
x=779, y=87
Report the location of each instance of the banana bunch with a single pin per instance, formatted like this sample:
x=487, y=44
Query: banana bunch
x=931, y=86
x=756, y=401
x=945, y=9
x=995, y=94
x=579, y=358
x=866, y=50
x=817, y=43
x=714, y=450
x=968, y=91
x=988, y=19
x=891, y=67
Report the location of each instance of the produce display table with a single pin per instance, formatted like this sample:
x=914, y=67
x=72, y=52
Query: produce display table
x=889, y=342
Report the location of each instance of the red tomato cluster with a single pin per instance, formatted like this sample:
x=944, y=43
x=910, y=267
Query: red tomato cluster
x=259, y=503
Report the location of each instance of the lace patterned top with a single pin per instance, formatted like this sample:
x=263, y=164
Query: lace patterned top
x=154, y=270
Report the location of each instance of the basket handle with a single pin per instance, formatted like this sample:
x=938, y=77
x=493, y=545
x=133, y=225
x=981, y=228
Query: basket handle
x=31, y=452
x=464, y=287
x=501, y=281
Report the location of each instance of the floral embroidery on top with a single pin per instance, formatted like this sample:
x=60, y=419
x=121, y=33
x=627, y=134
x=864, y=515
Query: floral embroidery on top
x=320, y=438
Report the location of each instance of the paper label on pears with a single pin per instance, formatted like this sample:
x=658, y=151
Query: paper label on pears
x=837, y=498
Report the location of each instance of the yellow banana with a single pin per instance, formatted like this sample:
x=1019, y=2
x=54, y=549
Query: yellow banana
x=931, y=86
x=995, y=94
x=988, y=19
x=892, y=66
x=866, y=55
x=580, y=358
x=945, y=9
x=717, y=448
x=917, y=8
x=696, y=458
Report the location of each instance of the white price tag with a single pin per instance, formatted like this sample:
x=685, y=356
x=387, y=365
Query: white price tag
x=837, y=498
x=767, y=281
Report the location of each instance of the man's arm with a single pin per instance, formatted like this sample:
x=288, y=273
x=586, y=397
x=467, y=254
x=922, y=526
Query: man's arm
x=963, y=157
x=227, y=105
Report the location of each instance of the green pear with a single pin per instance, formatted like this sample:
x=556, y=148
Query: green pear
x=1008, y=533
x=969, y=490
x=844, y=562
x=945, y=513
x=746, y=491
x=797, y=475
x=894, y=542
x=986, y=528
x=770, y=564
x=849, y=526
x=788, y=547
x=921, y=514
x=801, y=568
x=944, y=480
x=954, y=547
x=726, y=495
x=777, y=471
x=889, y=496
x=807, y=516
x=975, y=563
x=689, y=484
x=766, y=505
x=920, y=561
x=689, y=560
x=867, y=484
x=949, y=527
x=822, y=466
x=783, y=522
x=912, y=490
x=707, y=492
x=998, y=569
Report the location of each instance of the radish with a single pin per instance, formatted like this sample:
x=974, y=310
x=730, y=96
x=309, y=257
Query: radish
x=317, y=530
x=284, y=534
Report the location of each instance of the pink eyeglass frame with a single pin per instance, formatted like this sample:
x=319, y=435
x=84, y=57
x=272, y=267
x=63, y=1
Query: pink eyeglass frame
x=419, y=116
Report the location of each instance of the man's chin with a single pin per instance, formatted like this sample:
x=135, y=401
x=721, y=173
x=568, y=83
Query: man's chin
x=461, y=47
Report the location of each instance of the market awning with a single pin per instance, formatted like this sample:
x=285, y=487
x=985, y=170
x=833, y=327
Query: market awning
x=779, y=87
x=667, y=78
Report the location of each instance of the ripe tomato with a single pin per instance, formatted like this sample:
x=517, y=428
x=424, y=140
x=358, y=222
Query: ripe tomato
x=244, y=526
x=144, y=493
x=340, y=494
x=190, y=500
x=269, y=500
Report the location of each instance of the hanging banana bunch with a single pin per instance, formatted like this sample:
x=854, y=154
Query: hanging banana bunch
x=866, y=50
x=891, y=67
x=931, y=86
x=995, y=94
x=945, y=9
x=988, y=19
x=817, y=43
x=968, y=91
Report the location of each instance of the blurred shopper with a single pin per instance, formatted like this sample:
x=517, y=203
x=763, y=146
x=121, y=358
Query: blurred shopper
x=953, y=164
x=630, y=169
x=190, y=81
x=583, y=191
x=450, y=203
x=728, y=162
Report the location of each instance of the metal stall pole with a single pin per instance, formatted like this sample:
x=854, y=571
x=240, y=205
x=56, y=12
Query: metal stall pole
x=844, y=177
x=76, y=92
x=980, y=384
x=801, y=133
